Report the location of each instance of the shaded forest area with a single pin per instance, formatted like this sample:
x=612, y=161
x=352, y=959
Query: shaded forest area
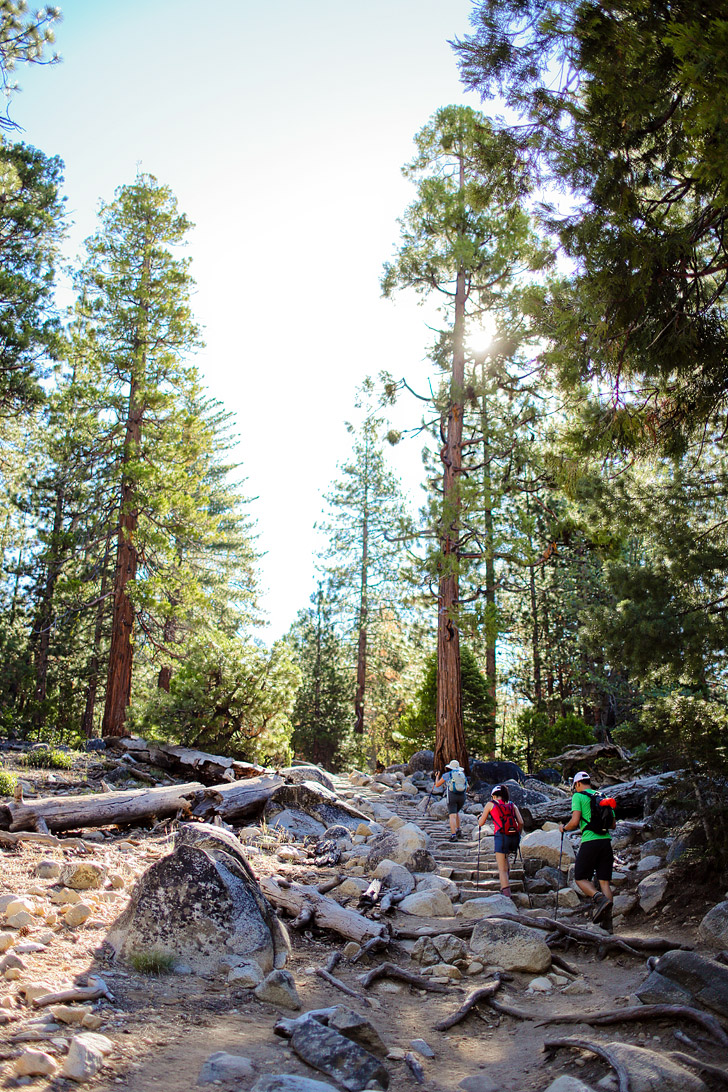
x=564, y=579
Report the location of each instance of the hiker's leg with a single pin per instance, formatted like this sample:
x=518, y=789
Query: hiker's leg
x=584, y=868
x=587, y=888
x=453, y=817
x=501, y=861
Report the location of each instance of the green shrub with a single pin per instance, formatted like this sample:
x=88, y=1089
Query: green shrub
x=8, y=781
x=47, y=760
x=152, y=962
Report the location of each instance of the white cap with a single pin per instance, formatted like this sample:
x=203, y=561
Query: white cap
x=582, y=775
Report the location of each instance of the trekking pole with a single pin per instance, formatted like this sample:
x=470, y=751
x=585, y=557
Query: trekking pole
x=558, y=882
x=477, y=882
x=429, y=798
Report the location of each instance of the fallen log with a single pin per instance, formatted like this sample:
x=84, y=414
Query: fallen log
x=402, y=933
x=631, y=797
x=97, y=809
x=595, y=1048
x=327, y=914
x=95, y=989
x=483, y=993
x=184, y=761
x=238, y=800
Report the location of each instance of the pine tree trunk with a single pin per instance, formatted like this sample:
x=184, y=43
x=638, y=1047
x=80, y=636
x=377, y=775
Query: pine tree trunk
x=94, y=663
x=491, y=631
x=450, y=739
x=361, y=655
x=42, y=628
x=535, y=639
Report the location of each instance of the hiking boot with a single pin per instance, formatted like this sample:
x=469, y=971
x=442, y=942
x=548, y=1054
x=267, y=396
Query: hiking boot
x=453, y=838
x=458, y=833
x=602, y=906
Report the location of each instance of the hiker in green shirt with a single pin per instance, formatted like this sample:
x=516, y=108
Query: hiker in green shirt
x=595, y=853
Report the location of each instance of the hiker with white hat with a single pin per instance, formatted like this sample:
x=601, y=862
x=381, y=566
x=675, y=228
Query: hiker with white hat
x=456, y=780
x=595, y=853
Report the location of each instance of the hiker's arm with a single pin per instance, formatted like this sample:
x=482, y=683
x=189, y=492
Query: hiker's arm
x=573, y=822
x=486, y=812
x=439, y=781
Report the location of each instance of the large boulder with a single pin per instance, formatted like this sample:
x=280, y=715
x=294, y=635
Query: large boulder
x=652, y=890
x=495, y=773
x=690, y=836
x=706, y=980
x=713, y=929
x=201, y=905
x=290, y=802
x=490, y=906
x=422, y=762
x=428, y=904
x=297, y=774
x=648, y=1071
x=522, y=796
x=510, y=946
x=406, y=846
x=548, y=846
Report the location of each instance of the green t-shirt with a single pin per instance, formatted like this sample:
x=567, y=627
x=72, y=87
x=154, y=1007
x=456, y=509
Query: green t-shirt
x=581, y=801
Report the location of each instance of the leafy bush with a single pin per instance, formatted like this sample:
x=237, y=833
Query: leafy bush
x=537, y=741
x=8, y=781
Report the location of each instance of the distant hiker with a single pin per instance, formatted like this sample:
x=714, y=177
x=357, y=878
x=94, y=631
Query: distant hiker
x=595, y=815
x=456, y=780
x=508, y=824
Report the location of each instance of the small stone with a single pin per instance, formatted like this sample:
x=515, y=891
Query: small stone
x=6, y=941
x=47, y=870
x=422, y=1048
x=351, y=949
x=474, y=968
x=36, y=989
x=578, y=986
x=541, y=985
x=92, y=1021
x=17, y=921
x=18, y=905
x=12, y=974
x=396, y=1054
x=86, y=1055
x=226, y=1068
x=479, y=1082
x=279, y=989
x=65, y=897
x=28, y=947
x=69, y=1014
x=8, y=1001
x=116, y=880
x=85, y=876
x=245, y=975
x=51, y=918
x=77, y=915
x=35, y=1063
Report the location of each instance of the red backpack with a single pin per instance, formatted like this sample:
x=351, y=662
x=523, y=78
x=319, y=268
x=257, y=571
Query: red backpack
x=504, y=817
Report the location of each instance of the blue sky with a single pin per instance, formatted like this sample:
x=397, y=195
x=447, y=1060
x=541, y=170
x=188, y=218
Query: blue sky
x=281, y=127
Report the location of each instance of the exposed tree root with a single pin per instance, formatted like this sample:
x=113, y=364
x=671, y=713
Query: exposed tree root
x=325, y=973
x=391, y=970
x=483, y=993
x=643, y=1012
x=696, y=1063
x=595, y=1048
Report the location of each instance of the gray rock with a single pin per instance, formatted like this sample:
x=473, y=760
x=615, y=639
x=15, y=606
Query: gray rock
x=713, y=929
x=47, y=870
x=406, y=846
x=428, y=904
x=297, y=774
x=510, y=946
x=649, y=863
x=86, y=1056
x=649, y=1071
x=395, y=877
x=450, y=949
x=657, y=989
x=226, y=1067
x=200, y=903
x=705, y=979
x=523, y=797
x=278, y=988
x=317, y=802
x=656, y=847
x=690, y=836
x=548, y=846
x=430, y=881
x=355, y=1027
x=493, y=773
x=334, y=1054
x=421, y=761
x=422, y=1048
x=339, y=834
x=479, y=1082
x=298, y=824
x=652, y=890
x=554, y=878
x=623, y=835
x=489, y=906
x=291, y=1082
x=567, y=1083
x=425, y=952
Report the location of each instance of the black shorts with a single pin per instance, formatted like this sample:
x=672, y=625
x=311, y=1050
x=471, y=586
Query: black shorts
x=455, y=802
x=594, y=856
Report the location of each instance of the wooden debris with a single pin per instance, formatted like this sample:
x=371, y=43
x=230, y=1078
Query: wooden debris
x=414, y=1066
x=329, y=885
x=604, y=942
x=96, y=988
x=643, y=1012
x=391, y=970
x=325, y=973
x=595, y=1048
x=402, y=933
x=8, y=839
x=326, y=913
x=483, y=993
x=96, y=810
x=375, y=942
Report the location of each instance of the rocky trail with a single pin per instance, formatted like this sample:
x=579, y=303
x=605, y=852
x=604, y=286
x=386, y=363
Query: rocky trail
x=421, y=977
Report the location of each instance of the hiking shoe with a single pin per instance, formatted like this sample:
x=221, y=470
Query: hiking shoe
x=458, y=833
x=453, y=837
x=602, y=906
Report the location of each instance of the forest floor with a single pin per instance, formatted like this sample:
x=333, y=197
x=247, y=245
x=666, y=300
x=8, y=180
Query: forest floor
x=164, y=1027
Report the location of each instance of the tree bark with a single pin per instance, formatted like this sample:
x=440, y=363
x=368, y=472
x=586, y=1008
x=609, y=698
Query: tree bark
x=361, y=657
x=42, y=628
x=94, y=664
x=327, y=913
x=449, y=738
